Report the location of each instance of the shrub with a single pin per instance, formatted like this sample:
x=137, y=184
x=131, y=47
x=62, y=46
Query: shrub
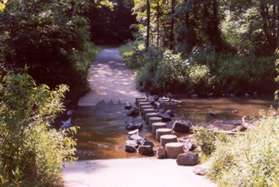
x=161, y=74
x=31, y=151
x=250, y=159
x=207, y=139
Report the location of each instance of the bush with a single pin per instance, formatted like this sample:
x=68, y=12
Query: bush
x=161, y=74
x=250, y=159
x=31, y=151
x=207, y=139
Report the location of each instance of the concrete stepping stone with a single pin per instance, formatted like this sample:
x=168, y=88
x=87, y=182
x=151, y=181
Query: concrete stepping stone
x=168, y=138
x=154, y=120
x=173, y=149
x=147, y=110
x=149, y=115
x=148, y=106
x=142, y=103
x=158, y=125
x=140, y=99
x=162, y=131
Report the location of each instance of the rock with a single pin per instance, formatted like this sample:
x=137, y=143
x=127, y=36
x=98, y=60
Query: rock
x=187, y=159
x=133, y=112
x=182, y=126
x=146, y=142
x=189, y=146
x=156, y=98
x=130, y=149
x=161, y=153
x=131, y=146
x=170, y=113
x=139, y=139
x=165, y=117
x=69, y=113
x=157, y=104
x=240, y=128
x=134, y=132
x=198, y=170
x=128, y=106
x=134, y=125
x=146, y=150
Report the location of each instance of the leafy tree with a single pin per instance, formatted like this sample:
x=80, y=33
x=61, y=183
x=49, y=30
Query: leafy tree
x=31, y=151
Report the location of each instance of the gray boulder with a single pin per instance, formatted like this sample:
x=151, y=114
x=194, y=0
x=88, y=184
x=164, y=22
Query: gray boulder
x=165, y=117
x=187, y=159
x=146, y=150
x=182, y=126
x=131, y=146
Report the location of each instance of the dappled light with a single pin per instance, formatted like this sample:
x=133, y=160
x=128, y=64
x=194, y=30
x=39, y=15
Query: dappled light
x=139, y=93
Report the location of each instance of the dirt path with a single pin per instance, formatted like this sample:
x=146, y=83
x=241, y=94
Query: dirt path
x=132, y=173
x=110, y=80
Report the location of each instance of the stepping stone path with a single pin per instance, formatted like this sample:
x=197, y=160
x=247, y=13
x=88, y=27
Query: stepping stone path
x=158, y=125
x=174, y=149
x=168, y=138
x=156, y=119
x=162, y=131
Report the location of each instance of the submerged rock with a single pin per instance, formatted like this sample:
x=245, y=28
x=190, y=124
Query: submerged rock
x=146, y=150
x=146, y=142
x=170, y=113
x=139, y=139
x=131, y=146
x=133, y=112
x=134, y=125
x=182, y=126
x=128, y=106
x=165, y=117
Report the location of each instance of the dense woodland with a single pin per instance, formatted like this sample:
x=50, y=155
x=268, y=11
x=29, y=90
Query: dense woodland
x=204, y=47
x=217, y=47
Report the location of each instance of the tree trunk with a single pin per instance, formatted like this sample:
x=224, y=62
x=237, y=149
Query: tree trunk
x=172, y=37
x=158, y=23
x=148, y=24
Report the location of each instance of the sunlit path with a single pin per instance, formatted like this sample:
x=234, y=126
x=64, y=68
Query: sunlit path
x=110, y=80
x=131, y=173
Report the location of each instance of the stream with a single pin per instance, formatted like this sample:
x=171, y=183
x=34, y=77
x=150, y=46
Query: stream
x=102, y=133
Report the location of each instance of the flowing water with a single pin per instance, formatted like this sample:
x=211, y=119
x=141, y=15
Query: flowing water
x=102, y=132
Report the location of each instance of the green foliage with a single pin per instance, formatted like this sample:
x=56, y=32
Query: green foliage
x=161, y=72
x=250, y=159
x=31, y=151
x=207, y=140
x=132, y=53
x=51, y=39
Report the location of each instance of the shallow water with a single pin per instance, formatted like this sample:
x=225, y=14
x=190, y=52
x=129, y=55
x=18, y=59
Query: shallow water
x=102, y=133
